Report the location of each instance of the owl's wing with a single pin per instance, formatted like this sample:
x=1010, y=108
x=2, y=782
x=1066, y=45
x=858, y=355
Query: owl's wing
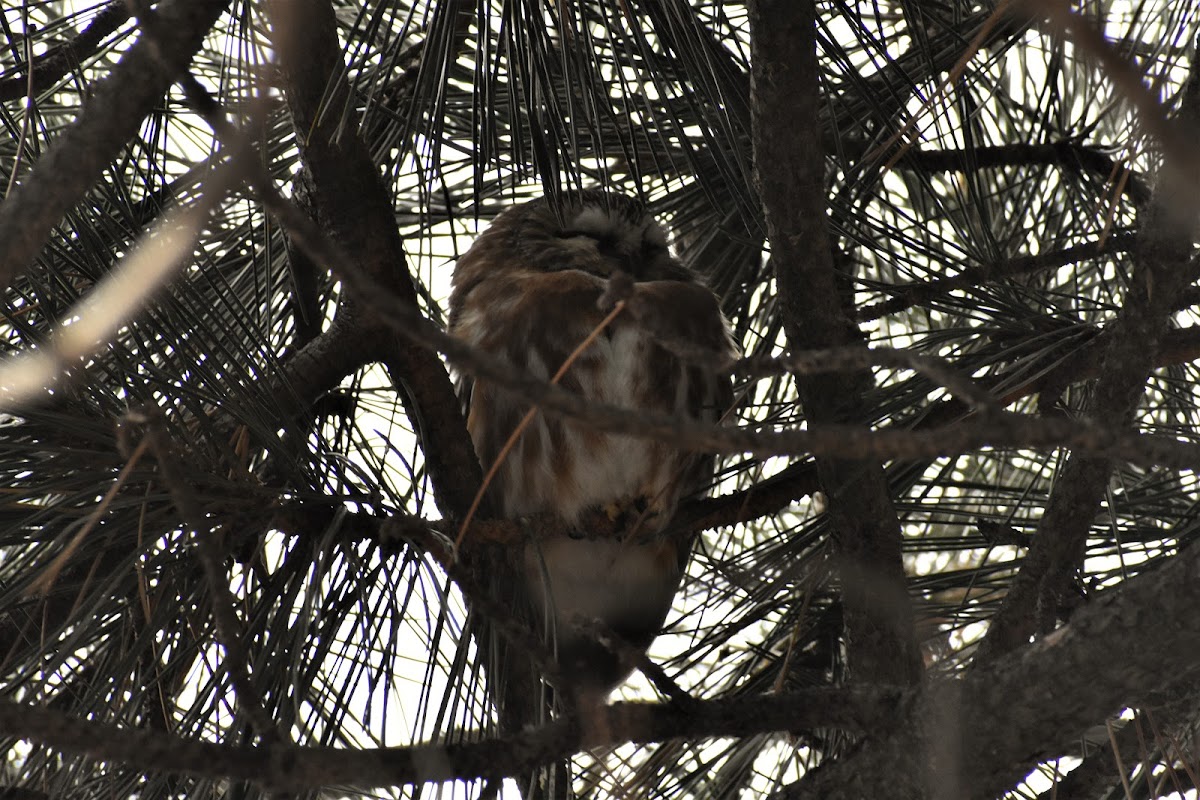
x=685, y=318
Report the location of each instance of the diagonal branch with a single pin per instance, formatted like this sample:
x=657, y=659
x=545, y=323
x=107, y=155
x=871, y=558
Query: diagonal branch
x=111, y=116
x=52, y=65
x=1161, y=271
x=353, y=205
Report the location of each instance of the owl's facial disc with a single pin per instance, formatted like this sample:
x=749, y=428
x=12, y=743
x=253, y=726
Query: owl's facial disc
x=630, y=243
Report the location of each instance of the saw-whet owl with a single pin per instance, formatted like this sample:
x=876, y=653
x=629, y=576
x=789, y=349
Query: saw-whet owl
x=526, y=293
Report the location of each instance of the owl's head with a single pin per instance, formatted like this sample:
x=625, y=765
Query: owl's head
x=593, y=231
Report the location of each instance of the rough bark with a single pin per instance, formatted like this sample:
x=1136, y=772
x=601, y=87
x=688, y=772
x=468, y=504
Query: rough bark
x=785, y=106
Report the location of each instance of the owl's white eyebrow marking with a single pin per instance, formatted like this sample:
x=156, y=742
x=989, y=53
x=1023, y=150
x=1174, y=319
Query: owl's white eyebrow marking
x=595, y=220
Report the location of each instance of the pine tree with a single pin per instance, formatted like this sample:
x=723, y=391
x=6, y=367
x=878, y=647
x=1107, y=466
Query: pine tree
x=947, y=550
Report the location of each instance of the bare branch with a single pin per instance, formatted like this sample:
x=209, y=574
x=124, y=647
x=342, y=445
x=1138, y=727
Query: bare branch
x=849, y=359
x=52, y=65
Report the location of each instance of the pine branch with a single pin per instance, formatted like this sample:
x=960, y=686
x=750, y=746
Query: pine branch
x=111, y=116
x=208, y=540
x=51, y=66
x=1161, y=271
x=919, y=294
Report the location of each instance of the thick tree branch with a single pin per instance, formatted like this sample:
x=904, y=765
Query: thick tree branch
x=354, y=206
x=978, y=736
x=52, y=65
x=790, y=176
x=320, y=365
x=763, y=499
x=286, y=768
x=111, y=115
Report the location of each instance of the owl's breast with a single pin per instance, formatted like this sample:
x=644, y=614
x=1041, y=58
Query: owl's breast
x=563, y=466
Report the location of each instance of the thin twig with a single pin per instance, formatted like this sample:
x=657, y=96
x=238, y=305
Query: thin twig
x=844, y=359
x=629, y=655
x=1116, y=754
x=50, y=574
